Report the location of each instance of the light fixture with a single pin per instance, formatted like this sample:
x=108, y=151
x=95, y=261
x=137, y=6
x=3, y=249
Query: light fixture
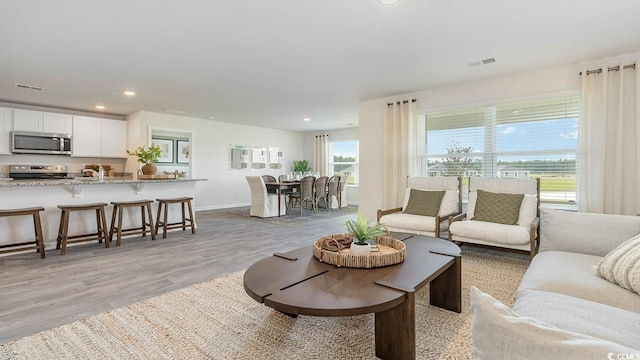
x=100, y=107
x=307, y=119
x=388, y=2
x=129, y=93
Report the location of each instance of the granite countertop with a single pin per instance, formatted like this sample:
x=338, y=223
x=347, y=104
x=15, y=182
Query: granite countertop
x=6, y=182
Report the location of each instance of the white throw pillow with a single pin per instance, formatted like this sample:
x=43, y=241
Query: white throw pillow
x=499, y=333
x=622, y=265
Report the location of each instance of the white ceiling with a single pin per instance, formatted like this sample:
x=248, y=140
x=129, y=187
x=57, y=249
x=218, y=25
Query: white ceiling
x=273, y=63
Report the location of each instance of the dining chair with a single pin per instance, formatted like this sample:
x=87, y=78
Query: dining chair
x=305, y=194
x=320, y=191
x=263, y=204
x=269, y=178
x=333, y=189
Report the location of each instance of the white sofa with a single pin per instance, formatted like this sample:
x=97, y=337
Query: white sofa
x=451, y=204
x=562, y=309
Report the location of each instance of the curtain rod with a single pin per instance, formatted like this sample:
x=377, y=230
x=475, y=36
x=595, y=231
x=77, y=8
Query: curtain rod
x=403, y=101
x=615, y=68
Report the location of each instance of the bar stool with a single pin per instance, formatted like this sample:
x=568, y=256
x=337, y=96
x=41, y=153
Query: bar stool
x=37, y=226
x=176, y=225
x=63, y=229
x=118, y=210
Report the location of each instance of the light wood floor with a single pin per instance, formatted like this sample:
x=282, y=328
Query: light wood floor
x=38, y=294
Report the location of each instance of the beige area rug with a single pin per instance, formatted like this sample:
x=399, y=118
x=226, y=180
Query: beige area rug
x=217, y=320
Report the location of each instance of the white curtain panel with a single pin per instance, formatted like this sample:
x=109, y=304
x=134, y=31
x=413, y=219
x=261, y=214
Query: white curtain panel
x=399, y=145
x=610, y=142
x=321, y=154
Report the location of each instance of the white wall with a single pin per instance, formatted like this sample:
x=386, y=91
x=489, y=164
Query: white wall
x=210, y=159
x=539, y=83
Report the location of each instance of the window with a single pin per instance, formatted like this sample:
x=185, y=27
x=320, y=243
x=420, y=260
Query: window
x=344, y=160
x=515, y=140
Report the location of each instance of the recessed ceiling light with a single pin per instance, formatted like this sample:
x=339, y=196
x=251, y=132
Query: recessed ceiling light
x=100, y=107
x=306, y=119
x=388, y=2
x=129, y=93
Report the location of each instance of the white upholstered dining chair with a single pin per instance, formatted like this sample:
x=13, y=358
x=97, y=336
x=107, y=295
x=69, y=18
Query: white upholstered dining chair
x=263, y=203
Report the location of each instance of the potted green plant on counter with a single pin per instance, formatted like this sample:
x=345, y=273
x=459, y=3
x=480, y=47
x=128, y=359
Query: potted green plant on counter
x=362, y=231
x=147, y=156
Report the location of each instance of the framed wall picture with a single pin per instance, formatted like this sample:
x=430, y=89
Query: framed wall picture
x=166, y=150
x=183, y=151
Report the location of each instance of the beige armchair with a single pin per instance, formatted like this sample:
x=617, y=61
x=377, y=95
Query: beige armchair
x=428, y=203
x=495, y=217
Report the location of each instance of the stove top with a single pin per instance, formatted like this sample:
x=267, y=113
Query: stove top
x=38, y=172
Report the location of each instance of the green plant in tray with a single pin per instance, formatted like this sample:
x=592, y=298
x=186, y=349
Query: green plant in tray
x=362, y=229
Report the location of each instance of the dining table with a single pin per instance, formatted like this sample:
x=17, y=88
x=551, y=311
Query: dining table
x=279, y=186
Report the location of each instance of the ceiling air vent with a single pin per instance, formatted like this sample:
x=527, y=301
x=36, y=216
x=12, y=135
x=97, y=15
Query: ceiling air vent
x=29, y=87
x=482, y=62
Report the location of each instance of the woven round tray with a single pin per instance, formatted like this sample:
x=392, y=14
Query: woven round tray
x=391, y=252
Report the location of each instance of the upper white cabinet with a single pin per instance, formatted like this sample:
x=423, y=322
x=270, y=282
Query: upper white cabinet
x=114, y=138
x=6, y=126
x=95, y=137
x=39, y=121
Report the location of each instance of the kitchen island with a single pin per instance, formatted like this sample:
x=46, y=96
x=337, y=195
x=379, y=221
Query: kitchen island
x=51, y=193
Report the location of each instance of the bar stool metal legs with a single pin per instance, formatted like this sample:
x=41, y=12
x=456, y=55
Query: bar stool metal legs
x=176, y=225
x=63, y=229
x=118, y=210
x=37, y=227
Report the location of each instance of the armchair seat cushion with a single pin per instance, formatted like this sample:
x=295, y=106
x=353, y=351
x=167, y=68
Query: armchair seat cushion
x=491, y=232
x=412, y=222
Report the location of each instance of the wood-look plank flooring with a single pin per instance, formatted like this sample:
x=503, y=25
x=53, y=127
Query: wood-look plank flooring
x=38, y=294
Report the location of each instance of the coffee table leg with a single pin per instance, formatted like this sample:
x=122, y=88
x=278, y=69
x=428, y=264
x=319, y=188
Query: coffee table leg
x=396, y=331
x=445, y=291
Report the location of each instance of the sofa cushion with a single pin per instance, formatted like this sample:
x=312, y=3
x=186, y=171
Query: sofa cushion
x=582, y=316
x=448, y=205
x=497, y=208
x=500, y=333
x=572, y=274
x=622, y=265
x=426, y=203
x=488, y=231
x=594, y=234
x=409, y=222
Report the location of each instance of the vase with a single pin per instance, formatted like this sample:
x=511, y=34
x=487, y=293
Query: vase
x=149, y=169
x=357, y=249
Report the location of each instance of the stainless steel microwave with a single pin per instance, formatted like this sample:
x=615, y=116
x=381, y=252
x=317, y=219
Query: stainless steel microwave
x=26, y=142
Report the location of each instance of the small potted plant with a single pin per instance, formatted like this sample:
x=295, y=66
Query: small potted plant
x=147, y=156
x=362, y=231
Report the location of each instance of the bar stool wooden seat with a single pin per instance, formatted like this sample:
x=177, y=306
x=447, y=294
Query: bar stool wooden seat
x=118, y=210
x=176, y=225
x=63, y=229
x=37, y=226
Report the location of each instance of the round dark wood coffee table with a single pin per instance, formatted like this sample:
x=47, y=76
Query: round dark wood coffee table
x=296, y=283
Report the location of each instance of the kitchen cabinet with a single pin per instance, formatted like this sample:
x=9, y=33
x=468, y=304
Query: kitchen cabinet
x=95, y=137
x=6, y=126
x=40, y=121
x=114, y=138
